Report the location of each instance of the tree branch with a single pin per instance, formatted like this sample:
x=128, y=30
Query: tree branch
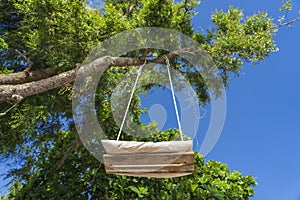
x=287, y=23
x=16, y=93
x=74, y=145
x=9, y=109
x=22, y=77
x=37, y=82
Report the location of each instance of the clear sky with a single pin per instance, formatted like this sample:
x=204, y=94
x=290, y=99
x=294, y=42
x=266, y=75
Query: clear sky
x=261, y=135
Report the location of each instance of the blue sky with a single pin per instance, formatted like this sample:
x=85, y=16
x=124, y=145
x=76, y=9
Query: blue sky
x=261, y=135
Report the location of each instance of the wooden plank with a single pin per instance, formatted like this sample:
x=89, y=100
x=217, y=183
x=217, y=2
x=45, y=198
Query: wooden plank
x=157, y=165
x=117, y=147
x=158, y=175
x=151, y=163
x=154, y=165
x=149, y=158
x=149, y=169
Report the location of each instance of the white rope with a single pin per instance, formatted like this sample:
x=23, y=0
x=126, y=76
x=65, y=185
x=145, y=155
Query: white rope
x=131, y=95
x=174, y=100
x=173, y=96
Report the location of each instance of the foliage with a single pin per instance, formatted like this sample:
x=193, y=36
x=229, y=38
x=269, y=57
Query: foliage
x=236, y=40
x=285, y=6
x=56, y=34
x=211, y=180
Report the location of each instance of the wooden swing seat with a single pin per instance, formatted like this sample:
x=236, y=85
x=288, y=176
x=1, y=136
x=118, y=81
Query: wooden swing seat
x=149, y=159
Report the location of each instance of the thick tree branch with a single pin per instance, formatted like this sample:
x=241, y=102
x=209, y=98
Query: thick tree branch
x=23, y=77
x=16, y=93
x=37, y=82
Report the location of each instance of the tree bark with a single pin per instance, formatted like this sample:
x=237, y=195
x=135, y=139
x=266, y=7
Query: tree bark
x=16, y=93
x=17, y=86
x=23, y=77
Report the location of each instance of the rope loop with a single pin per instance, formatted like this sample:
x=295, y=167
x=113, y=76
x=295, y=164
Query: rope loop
x=139, y=72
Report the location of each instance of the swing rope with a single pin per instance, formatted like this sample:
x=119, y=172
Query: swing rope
x=139, y=72
x=173, y=96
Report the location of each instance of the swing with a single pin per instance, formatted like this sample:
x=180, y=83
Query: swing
x=165, y=159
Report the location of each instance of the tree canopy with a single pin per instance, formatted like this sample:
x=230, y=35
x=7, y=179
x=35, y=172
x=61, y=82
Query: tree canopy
x=41, y=44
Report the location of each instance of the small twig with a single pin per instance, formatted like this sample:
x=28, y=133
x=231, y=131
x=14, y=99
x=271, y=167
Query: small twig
x=145, y=53
x=23, y=56
x=95, y=175
x=9, y=109
x=287, y=23
x=213, y=68
x=75, y=144
x=190, y=50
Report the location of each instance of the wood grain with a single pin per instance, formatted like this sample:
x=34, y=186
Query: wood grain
x=157, y=165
